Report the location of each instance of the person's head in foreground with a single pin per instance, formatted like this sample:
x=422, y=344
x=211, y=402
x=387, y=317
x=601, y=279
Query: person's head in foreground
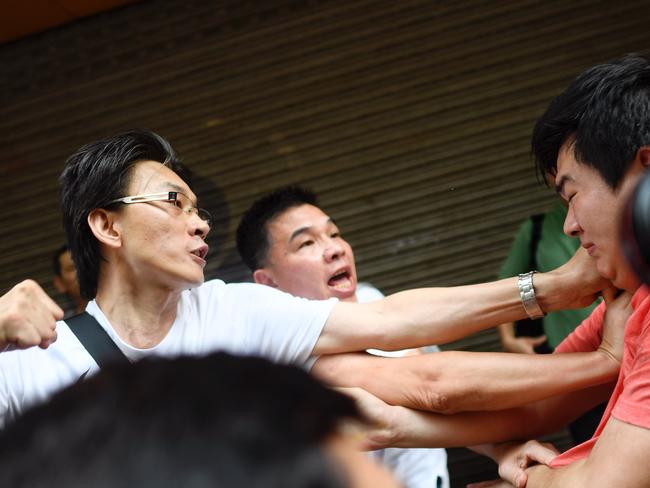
x=289, y=243
x=594, y=139
x=128, y=212
x=217, y=421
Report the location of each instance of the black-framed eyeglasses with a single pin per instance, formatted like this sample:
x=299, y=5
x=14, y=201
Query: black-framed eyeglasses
x=180, y=200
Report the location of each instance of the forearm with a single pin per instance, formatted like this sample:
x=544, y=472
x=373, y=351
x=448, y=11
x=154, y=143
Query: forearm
x=540, y=476
x=413, y=428
x=455, y=381
x=441, y=315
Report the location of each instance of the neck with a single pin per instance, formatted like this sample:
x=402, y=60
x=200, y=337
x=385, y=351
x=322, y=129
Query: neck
x=141, y=315
x=351, y=299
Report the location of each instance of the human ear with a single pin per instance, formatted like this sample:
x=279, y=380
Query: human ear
x=58, y=284
x=103, y=225
x=264, y=277
x=643, y=155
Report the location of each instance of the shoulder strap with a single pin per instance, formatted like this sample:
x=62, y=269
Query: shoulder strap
x=95, y=339
x=534, y=238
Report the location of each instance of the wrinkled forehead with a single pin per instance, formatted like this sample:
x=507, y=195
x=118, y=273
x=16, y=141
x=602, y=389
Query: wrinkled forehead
x=294, y=219
x=154, y=177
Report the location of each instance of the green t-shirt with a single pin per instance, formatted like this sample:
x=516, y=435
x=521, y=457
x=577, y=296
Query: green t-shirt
x=553, y=250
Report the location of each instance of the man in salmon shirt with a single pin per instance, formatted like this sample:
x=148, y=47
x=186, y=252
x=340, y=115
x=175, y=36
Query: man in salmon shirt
x=594, y=139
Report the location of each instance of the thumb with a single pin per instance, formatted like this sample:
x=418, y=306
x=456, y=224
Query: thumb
x=514, y=474
x=610, y=293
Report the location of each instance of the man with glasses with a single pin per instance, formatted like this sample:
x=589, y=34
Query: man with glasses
x=138, y=241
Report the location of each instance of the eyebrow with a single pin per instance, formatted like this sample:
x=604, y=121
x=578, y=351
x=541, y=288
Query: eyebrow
x=559, y=187
x=302, y=230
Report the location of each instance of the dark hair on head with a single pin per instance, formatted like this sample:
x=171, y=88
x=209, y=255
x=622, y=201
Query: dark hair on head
x=94, y=176
x=604, y=113
x=200, y=422
x=56, y=259
x=252, y=232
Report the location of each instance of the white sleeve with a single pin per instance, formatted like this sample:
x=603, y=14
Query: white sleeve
x=8, y=389
x=418, y=468
x=277, y=325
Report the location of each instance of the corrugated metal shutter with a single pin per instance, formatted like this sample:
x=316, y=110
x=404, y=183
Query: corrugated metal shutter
x=411, y=119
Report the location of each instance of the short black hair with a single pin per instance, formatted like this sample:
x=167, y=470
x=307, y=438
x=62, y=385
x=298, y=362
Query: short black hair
x=218, y=420
x=252, y=232
x=605, y=113
x=95, y=175
x=56, y=259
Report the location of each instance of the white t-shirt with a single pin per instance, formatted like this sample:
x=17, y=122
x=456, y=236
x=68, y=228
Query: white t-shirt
x=240, y=318
x=414, y=468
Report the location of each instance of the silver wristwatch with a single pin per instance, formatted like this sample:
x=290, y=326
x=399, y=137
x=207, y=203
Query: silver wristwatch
x=527, y=294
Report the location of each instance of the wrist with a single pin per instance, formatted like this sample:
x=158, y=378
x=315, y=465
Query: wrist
x=528, y=296
x=548, y=292
x=610, y=359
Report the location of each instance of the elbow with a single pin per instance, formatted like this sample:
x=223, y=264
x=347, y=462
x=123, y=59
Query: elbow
x=442, y=397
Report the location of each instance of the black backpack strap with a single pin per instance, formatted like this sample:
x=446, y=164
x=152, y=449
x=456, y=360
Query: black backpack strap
x=95, y=340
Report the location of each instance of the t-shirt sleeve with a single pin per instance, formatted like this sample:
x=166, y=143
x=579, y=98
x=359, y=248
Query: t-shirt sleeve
x=279, y=326
x=587, y=336
x=518, y=259
x=8, y=364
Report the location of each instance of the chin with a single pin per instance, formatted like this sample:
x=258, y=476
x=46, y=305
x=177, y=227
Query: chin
x=194, y=281
x=346, y=296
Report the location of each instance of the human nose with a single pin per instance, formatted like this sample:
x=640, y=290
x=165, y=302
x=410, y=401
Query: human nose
x=333, y=250
x=199, y=226
x=571, y=226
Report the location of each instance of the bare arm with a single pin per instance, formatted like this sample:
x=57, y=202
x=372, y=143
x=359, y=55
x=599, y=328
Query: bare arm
x=421, y=317
x=403, y=427
x=619, y=458
x=455, y=381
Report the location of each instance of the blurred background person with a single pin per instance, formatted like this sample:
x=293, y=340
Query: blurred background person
x=66, y=282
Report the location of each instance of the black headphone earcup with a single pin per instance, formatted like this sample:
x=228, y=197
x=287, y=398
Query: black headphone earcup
x=635, y=230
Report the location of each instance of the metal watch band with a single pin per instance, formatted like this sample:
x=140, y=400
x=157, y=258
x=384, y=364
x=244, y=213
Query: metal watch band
x=527, y=294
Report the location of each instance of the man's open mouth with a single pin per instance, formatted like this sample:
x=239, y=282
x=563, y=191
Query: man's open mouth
x=340, y=280
x=201, y=252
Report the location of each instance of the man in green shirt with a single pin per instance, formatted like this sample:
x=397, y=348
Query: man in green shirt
x=541, y=244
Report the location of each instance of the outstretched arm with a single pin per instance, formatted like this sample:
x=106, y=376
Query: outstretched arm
x=421, y=317
x=398, y=426
x=455, y=381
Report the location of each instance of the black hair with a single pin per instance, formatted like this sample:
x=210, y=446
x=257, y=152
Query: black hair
x=95, y=175
x=252, y=232
x=56, y=259
x=605, y=113
x=219, y=420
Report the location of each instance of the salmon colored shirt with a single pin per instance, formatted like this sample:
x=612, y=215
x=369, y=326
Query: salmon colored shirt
x=630, y=401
